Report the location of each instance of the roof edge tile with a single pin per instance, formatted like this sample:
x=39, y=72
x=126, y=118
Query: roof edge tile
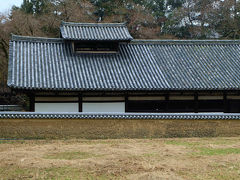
x=93, y=24
x=176, y=42
x=10, y=64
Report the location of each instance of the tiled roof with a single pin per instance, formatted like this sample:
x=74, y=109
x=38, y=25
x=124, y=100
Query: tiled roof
x=95, y=31
x=49, y=64
x=157, y=116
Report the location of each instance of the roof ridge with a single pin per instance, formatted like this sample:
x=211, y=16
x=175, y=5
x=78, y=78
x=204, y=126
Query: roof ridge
x=135, y=41
x=174, y=42
x=63, y=23
x=35, y=39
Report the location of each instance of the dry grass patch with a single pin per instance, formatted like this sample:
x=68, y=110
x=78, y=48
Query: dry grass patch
x=58, y=173
x=71, y=155
x=175, y=159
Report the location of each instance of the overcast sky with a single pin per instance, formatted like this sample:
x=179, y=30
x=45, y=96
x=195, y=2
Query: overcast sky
x=5, y=5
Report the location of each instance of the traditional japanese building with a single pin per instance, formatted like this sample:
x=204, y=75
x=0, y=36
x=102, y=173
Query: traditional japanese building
x=100, y=68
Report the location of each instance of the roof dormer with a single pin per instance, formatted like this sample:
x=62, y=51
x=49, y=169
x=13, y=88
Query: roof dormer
x=95, y=37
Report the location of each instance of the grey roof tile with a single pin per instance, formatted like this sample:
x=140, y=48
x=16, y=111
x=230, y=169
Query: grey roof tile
x=49, y=64
x=95, y=31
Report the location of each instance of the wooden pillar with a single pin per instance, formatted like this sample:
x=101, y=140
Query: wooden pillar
x=31, y=102
x=196, y=102
x=80, y=103
x=126, y=103
x=166, y=102
x=225, y=103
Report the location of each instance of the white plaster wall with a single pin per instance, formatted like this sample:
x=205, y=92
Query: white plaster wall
x=56, y=107
x=104, y=107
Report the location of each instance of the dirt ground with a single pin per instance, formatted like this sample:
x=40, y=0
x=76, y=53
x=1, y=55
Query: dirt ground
x=173, y=159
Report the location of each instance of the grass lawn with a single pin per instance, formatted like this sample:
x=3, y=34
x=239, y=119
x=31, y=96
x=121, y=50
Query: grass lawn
x=173, y=159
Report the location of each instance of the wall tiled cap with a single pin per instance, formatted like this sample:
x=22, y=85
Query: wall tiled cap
x=160, y=116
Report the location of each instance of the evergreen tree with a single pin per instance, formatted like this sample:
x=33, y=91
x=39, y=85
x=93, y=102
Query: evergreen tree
x=35, y=6
x=27, y=6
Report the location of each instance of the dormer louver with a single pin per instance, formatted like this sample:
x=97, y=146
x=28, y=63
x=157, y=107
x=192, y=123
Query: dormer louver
x=95, y=37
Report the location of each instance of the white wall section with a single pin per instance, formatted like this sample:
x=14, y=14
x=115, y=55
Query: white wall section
x=56, y=99
x=56, y=107
x=104, y=107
